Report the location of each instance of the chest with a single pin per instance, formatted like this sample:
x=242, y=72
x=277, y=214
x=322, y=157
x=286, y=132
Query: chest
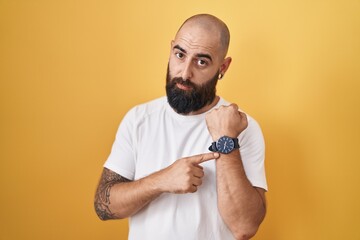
x=162, y=141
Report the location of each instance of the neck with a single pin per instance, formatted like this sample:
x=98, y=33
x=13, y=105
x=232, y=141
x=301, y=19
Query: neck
x=206, y=108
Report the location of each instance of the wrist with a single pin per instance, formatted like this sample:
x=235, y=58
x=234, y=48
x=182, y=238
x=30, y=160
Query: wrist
x=155, y=183
x=216, y=137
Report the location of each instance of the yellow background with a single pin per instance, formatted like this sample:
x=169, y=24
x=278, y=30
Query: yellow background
x=70, y=70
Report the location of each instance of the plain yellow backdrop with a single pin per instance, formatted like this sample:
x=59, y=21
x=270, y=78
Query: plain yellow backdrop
x=70, y=70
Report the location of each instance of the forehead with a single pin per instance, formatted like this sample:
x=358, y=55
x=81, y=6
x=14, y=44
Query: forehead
x=195, y=39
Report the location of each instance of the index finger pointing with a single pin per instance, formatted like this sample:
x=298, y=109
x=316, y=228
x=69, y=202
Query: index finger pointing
x=204, y=157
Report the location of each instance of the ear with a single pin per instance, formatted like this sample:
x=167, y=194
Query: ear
x=225, y=65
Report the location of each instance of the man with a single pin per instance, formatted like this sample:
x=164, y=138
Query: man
x=160, y=172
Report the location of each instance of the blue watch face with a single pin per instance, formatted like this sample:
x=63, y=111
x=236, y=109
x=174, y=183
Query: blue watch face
x=225, y=145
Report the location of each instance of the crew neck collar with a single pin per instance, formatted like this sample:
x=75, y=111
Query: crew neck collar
x=200, y=116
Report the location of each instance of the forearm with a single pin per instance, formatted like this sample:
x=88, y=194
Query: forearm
x=240, y=204
x=128, y=198
x=117, y=197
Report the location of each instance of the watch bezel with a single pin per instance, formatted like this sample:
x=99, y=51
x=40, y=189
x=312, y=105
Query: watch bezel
x=222, y=140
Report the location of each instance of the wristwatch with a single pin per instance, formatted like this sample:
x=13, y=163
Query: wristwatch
x=225, y=145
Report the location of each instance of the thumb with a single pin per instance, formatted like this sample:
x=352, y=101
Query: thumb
x=197, y=159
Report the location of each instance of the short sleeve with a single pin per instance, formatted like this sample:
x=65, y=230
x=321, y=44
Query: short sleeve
x=252, y=150
x=122, y=156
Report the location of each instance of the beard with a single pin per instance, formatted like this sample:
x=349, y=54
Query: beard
x=187, y=101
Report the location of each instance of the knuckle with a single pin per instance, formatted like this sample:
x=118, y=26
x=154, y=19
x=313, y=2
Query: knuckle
x=201, y=157
x=187, y=180
x=188, y=170
x=186, y=159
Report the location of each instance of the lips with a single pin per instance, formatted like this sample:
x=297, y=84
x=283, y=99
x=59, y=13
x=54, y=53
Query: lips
x=183, y=87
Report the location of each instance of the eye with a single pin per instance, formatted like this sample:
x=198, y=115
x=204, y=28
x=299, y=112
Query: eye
x=202, y=63
x=179, y=55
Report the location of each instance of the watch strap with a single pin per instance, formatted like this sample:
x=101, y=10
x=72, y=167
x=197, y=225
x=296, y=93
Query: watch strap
x=236, y=143
x=213, y=147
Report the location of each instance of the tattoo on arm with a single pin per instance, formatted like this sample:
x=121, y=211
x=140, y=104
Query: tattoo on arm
x=102, y=197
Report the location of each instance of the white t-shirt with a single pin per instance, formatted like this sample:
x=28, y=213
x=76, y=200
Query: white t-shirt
x=151, y=137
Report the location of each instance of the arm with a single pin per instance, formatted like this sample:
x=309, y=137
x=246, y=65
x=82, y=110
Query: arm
x=241, y=205
x=117, y=197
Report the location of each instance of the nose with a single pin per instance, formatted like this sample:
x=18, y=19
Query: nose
x=187, y=71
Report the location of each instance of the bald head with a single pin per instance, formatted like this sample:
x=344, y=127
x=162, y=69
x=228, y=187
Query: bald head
x=213, y=26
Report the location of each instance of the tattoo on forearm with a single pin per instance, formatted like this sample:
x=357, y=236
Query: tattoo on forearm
x=102, y=197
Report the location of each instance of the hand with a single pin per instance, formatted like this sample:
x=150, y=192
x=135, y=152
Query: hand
x=184, y=175
x=226, y=120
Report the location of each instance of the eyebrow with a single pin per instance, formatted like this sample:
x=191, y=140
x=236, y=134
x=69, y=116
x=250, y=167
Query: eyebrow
x=199, y=55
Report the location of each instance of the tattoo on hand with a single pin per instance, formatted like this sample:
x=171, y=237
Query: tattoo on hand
x=102, y=196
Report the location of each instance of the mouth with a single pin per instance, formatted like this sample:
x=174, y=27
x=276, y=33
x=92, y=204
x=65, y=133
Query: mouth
x=183, y=87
